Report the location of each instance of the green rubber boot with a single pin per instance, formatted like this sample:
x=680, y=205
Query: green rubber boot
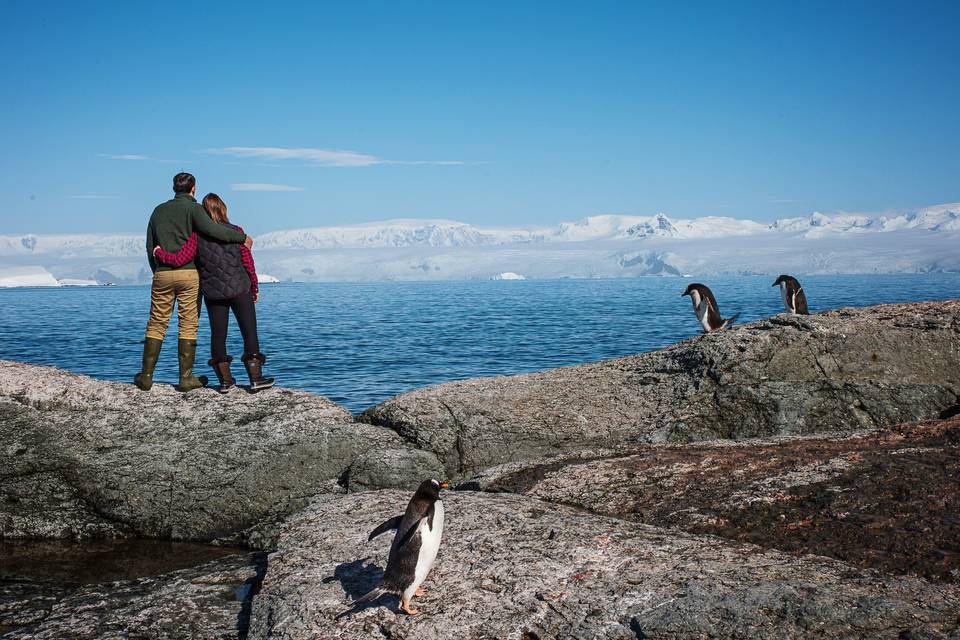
x=187, y=350
x=151, y=352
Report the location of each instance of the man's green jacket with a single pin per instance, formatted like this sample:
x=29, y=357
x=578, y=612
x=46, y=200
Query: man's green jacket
x=172, y=223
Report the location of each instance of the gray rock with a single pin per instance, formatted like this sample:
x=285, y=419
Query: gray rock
x=400, y=468
x=841, y=371
x=26, y=604
x=516, y=567
x=87, y=458
x=209, y=601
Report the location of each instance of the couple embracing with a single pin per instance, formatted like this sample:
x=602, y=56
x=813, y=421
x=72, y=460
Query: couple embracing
x=194, y=249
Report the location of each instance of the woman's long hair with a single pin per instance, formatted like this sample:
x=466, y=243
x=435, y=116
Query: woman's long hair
x=216, y=208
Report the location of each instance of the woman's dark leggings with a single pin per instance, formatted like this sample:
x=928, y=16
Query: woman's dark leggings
x=245, y=312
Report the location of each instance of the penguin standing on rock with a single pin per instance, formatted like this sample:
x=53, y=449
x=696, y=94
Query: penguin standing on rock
x=705, y=306
x=414, y=547
x=792, y=293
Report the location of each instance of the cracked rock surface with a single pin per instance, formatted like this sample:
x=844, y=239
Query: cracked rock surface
x=204, y=602
x=85, y=458
x=836, y=372
x=517, y=567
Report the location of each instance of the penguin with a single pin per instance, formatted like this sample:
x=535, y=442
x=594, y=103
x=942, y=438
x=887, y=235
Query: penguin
x=705, y=306
x=414, y=547
x=792, y=293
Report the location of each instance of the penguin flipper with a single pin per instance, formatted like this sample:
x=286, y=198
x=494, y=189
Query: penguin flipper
x=390, y=524
x=416, y=526
x=409, y=533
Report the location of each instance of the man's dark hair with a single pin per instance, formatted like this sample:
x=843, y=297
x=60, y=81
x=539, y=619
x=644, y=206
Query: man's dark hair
x=183, y=183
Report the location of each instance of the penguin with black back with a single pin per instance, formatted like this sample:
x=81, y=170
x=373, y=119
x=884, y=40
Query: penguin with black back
x=792, y=293
x=414, y=547
x=705, y=306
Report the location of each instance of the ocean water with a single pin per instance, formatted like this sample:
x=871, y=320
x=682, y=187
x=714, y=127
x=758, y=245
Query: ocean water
x=360, y=344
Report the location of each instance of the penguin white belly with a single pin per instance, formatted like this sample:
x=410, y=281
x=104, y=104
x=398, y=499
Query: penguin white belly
x=702, y=314
x=429, y=546
x=783, y=294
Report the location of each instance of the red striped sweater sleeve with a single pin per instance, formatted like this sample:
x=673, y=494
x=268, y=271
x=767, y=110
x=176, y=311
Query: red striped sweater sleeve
x=250, y=268
x=181, y=256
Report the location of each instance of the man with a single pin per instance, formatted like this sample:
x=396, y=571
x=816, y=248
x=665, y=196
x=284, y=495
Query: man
x=170, y=227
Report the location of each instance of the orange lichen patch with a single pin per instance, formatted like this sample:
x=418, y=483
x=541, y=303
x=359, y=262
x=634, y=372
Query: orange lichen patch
x=806, y=522
x=583, y=575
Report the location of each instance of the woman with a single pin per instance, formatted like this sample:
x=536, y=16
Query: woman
x=228, y=280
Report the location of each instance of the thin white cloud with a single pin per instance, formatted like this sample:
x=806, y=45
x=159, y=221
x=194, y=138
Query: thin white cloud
x=321, y=157
x=123, y=156
x=263, y=186
x=92, y=197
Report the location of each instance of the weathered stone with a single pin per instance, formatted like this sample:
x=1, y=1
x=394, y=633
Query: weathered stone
x=87, y=458
x=26, y=604
x=887, y=500
x=519, y=568
x=399, y=468
x=840, y=371
x=209, y=601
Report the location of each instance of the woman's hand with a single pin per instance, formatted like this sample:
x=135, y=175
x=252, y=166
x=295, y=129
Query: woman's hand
x=256, y=297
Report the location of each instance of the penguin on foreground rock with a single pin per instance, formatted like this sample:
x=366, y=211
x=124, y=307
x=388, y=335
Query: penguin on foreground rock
x=705, y=306
x=414, y=547
x=792, y=293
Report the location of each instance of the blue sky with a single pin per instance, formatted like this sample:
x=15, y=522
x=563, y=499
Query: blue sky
x=492, y=113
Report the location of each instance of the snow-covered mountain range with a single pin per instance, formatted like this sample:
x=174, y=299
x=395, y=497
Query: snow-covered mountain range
x=447, y=233
x=597, y=246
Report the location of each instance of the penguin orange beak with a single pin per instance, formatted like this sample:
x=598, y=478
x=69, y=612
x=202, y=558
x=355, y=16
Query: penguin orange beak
x=444, y=485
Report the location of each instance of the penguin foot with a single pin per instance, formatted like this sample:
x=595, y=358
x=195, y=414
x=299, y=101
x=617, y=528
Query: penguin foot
x=405, y=607
x=419, y=592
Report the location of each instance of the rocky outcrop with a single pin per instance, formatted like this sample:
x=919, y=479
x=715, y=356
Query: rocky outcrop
x=517, y=567
x=635, y=526
x=86, y=458
x=836, y=372
x=399, y=468
x=208, y=601
x=885, y=500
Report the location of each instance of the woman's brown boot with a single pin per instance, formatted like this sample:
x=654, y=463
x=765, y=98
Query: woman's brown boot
x=222, y=369
x=254, y=364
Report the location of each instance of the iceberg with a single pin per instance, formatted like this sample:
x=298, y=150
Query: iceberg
x=27, y=277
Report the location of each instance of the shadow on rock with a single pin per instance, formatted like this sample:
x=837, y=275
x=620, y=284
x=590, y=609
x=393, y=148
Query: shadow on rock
x=246, y=592
x=357, y=578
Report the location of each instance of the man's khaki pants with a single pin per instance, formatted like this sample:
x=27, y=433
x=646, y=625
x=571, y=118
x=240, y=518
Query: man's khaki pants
x=183, y=287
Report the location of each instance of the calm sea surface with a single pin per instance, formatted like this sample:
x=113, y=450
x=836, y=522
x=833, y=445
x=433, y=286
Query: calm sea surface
x=362, y=343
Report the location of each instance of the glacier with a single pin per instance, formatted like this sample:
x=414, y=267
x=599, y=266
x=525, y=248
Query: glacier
x=602, y=246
